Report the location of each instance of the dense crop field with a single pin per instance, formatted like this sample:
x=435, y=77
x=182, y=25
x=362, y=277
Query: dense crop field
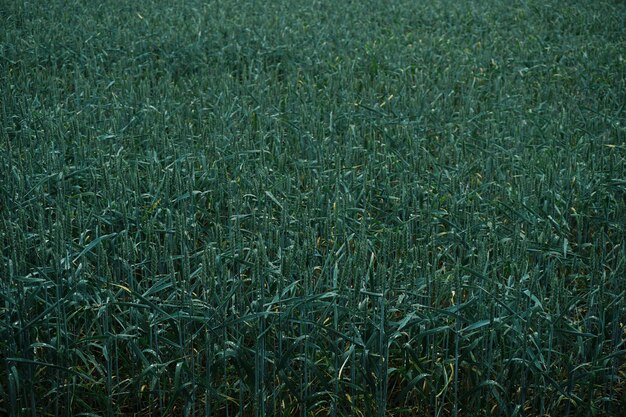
x=312, y=208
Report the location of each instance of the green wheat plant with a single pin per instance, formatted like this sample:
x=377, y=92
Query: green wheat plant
x=312, y=208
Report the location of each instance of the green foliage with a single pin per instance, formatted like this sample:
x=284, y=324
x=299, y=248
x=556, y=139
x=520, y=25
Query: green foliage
x=302, y=208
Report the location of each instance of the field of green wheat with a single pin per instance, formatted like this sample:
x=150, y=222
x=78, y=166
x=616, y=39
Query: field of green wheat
x=312, y=208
